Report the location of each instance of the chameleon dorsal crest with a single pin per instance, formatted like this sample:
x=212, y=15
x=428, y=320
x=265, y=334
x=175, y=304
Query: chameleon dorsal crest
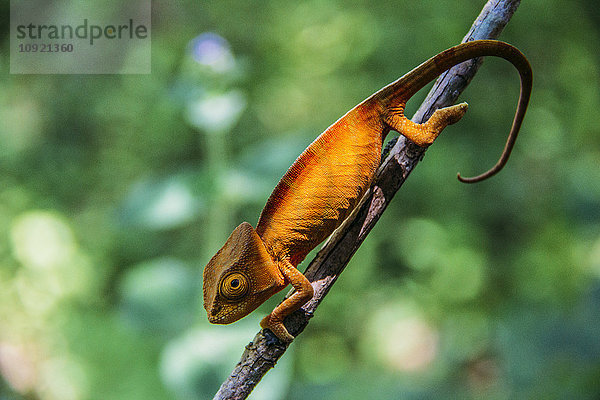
x=240, y=277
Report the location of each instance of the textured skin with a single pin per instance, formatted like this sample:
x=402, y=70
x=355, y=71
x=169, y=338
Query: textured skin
x=323, y=186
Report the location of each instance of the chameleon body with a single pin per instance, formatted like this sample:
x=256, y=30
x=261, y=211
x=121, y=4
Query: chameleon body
x=323, y=186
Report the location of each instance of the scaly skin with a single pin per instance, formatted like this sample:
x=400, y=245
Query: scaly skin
x=324, y=185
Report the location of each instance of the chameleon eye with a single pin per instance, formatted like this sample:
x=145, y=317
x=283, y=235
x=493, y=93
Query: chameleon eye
x=234, y=286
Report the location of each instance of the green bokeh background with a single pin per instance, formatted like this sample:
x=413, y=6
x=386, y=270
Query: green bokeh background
x=115, y=190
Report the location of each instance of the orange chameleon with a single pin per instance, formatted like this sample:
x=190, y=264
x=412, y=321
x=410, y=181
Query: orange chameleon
x=326, y=182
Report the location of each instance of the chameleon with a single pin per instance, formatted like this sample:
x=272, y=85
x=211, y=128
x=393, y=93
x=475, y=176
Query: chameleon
x=326, y=182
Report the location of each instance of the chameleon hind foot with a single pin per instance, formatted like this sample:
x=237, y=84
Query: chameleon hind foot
x=424, y=134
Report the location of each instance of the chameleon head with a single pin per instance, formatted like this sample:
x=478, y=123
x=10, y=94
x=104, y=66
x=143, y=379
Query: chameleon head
x=240, y=277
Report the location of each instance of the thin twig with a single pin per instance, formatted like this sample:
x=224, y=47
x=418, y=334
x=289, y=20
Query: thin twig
x=264, y=351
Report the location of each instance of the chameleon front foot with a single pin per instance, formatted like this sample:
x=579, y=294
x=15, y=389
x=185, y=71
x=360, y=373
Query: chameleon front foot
x=303, y=293
x=277, y=328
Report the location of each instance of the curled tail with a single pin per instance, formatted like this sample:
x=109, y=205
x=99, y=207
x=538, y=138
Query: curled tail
x=395, y=95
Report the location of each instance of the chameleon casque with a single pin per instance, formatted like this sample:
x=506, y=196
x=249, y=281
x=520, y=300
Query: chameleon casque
x=326, y=182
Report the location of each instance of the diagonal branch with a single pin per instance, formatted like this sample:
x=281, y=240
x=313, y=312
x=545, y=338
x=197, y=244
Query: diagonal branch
x=264, y=351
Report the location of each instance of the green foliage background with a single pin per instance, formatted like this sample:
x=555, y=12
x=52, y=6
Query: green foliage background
x=115, y=190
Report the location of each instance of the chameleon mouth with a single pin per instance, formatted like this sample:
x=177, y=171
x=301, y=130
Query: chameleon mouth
x=221, y=319
x=217, y=320
x=213, y=315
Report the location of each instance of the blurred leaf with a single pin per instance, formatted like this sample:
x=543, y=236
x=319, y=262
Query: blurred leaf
x=195, y=364
x=216, y=113
x=160, y=296
x=163, y=203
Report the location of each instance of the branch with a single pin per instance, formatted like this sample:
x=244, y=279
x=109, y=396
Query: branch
x=264, y=351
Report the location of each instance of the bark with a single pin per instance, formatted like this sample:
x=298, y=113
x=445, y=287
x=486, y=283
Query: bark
x=402, y=156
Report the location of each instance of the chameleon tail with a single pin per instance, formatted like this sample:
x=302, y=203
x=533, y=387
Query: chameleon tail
x=405, y=87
